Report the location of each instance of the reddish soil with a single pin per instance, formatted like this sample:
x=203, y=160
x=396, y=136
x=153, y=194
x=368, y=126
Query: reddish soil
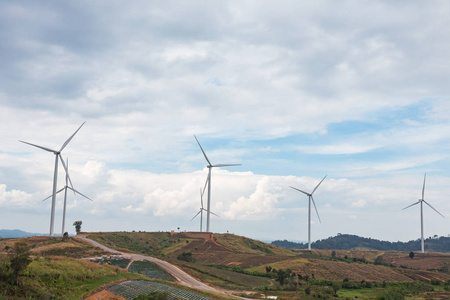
x=105, y=295
x=209, y=252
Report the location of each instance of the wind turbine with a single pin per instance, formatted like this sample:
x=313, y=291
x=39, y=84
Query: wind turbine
x=55, y=173
x=201, y=208
x=210, y=166
x=310, y=198
x=65, y=195
x=421, y=201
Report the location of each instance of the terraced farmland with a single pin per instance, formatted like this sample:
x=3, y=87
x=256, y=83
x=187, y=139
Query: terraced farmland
x=131, y=289
x=148, y=269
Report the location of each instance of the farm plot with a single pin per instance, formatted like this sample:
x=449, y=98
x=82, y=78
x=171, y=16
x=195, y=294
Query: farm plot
x=131, y=289
x=148, y=269
x=121, y=263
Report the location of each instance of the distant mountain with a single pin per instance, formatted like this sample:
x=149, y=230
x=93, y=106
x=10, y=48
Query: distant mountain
x=16, y=233
x=348, y=242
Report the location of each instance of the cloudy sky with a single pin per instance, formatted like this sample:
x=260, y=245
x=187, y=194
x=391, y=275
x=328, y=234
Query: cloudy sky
x=292, y=90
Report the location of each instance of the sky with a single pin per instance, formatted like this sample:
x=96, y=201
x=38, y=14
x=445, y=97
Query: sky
x=291, y=90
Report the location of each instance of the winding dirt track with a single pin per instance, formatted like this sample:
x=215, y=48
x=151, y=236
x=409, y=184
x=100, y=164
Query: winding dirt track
x=180, y=275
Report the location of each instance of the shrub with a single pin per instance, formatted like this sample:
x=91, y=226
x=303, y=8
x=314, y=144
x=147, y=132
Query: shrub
x=186, y=256
x=308, y=290
x=435, y=281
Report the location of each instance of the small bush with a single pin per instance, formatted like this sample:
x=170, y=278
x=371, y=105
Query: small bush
x=435, y=281
x=308, y=290
x=186, y=256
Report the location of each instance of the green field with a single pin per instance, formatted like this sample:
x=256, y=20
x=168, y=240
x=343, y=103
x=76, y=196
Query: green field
x=62, y=278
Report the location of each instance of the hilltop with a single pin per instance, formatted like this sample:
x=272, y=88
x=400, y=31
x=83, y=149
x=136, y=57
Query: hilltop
x=349, y=242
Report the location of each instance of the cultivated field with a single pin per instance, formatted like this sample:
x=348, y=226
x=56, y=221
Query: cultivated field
x=234, y=263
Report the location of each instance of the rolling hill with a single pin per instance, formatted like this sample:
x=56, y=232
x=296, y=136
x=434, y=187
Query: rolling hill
x=247, y=267
x=349, y=242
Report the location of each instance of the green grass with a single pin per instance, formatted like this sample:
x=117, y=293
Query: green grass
x=63, y=279
x=245, y=245
x=137, y=242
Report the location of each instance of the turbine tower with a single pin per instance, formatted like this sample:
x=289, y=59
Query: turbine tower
x=55, y=173
x=310, y=198
x=421, y=201
x=210, y=166
x=65, y=196
x=202, y=208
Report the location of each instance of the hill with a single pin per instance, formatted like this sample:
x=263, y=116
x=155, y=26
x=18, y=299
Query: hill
x=349, y=242
x=213, y=255
x=242, y=266
x=16, y=233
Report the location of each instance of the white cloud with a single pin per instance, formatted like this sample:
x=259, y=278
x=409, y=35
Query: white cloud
x=260, y=84
x=14, y=198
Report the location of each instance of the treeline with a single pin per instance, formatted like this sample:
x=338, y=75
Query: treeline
x=348, y=242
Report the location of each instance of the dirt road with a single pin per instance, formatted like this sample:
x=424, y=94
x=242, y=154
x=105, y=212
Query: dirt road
x=173, y=270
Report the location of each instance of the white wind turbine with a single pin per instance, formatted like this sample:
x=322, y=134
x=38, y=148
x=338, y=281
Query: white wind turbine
x=310, y=198
x=65, y=196
x=202, y=208
x=210, y=166
x=55, y=173
x=421, y=201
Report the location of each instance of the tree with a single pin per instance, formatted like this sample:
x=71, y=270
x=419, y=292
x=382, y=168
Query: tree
x=333, y=254
x=186, y=256
x=411, y=255
x=19, y=256
x=335, y=286
x=283, y=275
x=77, y=225
x=65, y=236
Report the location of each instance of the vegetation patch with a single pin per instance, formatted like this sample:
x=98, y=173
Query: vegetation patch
x=137, y=242
x=149, y=269
x=56, y=277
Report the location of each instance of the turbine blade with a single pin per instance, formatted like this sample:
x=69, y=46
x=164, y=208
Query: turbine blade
x=423, y=189
x=75, y=191
x=300, y=191
x=215, y=214
x=69, y=139
x=204, y=154
x=206, y=183
x=52, y=195
x=41, y=147
x=66, y=169
x=225, y=165
x=201, y=198
x=433, y=208
x=316, y=208
x=196, y=215
x=318, y=185
x=412, y=204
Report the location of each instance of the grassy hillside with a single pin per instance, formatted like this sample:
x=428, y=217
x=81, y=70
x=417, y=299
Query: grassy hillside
x=46, y=246
x=242, y=244
x=63, y=278
x=151, y=243
x=240, y=263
